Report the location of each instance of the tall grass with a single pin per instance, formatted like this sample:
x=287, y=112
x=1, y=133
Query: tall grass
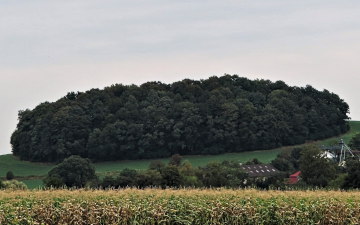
x=190, y=206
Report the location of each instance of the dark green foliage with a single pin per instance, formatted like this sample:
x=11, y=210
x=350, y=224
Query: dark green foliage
x=225, y=174
x=352, y=180
x=355, y=141
x=212, y=116
x=148, y=178
x=275, y=181
x=316, y=169
x=126, y=178
x=156, y=165
x=282, y=164
x=108, y=182
x=54, y=181
x=10, y=175
x=253, y=162
x=171, y=176
x=288, y=160
x=72, y=172
x=175, y=160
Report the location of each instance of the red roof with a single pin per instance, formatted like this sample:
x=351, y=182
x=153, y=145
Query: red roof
x=294, y=178
x=292, y=181
x=295, y=175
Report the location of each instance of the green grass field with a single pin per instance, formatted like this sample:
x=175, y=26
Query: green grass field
x=34, y=183
x=197, y=160
x=354, y=129
x=23, y=169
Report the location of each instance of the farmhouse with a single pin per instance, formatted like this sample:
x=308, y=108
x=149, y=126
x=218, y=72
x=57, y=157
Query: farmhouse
x=260, y=170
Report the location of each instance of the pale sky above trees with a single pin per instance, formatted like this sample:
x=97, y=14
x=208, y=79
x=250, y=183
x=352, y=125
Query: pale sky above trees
x=48, y=48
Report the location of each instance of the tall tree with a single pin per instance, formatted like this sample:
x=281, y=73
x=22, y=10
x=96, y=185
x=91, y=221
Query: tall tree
x=316, y=168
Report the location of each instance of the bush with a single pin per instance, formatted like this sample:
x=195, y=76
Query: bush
x=108, y=182
x=175, y=160
x=54, y=182
x=72, y=172
x=10, y=175
x=352, y=180
x=338, y=182
x=14, y=185
x=156, y=165
x=171, y=176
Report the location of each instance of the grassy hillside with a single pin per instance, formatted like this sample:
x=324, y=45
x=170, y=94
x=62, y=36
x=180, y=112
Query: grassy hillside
x=22, y=168
x=200, y=160
x=354, y=128
x=36, y=170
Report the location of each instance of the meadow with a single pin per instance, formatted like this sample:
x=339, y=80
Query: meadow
x=184, y=206
x=32, y=173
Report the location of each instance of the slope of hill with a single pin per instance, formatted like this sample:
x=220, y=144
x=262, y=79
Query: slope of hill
x=155, y=120
x=31, y=172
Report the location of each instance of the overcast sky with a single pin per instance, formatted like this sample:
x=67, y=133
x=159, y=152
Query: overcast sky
x=48, y=47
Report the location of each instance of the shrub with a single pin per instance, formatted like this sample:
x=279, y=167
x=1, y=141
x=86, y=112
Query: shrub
x=14, y=185
x=9, y=175
x=72, y=172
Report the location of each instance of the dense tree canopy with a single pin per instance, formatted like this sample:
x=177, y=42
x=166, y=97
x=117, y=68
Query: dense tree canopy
x=212, y=116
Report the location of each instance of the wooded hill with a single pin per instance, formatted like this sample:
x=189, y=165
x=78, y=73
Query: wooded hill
x=153, y=120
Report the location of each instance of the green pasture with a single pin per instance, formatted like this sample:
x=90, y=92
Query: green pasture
x=34, y=183
x=196, y=160
x=22, y=168
x=354, y=128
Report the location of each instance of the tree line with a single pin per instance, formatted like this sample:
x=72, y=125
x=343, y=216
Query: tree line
x=316, y=171
x=176, y=173
x=153, y=120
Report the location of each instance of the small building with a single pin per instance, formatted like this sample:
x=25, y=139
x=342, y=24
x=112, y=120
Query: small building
x=294, y=178
x=260, y=170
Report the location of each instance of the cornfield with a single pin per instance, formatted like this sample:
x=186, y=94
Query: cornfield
x=190, y=206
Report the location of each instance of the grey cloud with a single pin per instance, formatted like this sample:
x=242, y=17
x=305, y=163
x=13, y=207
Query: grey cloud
x=52, y=31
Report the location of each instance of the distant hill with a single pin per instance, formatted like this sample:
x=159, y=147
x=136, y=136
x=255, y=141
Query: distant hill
x=154, y=120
